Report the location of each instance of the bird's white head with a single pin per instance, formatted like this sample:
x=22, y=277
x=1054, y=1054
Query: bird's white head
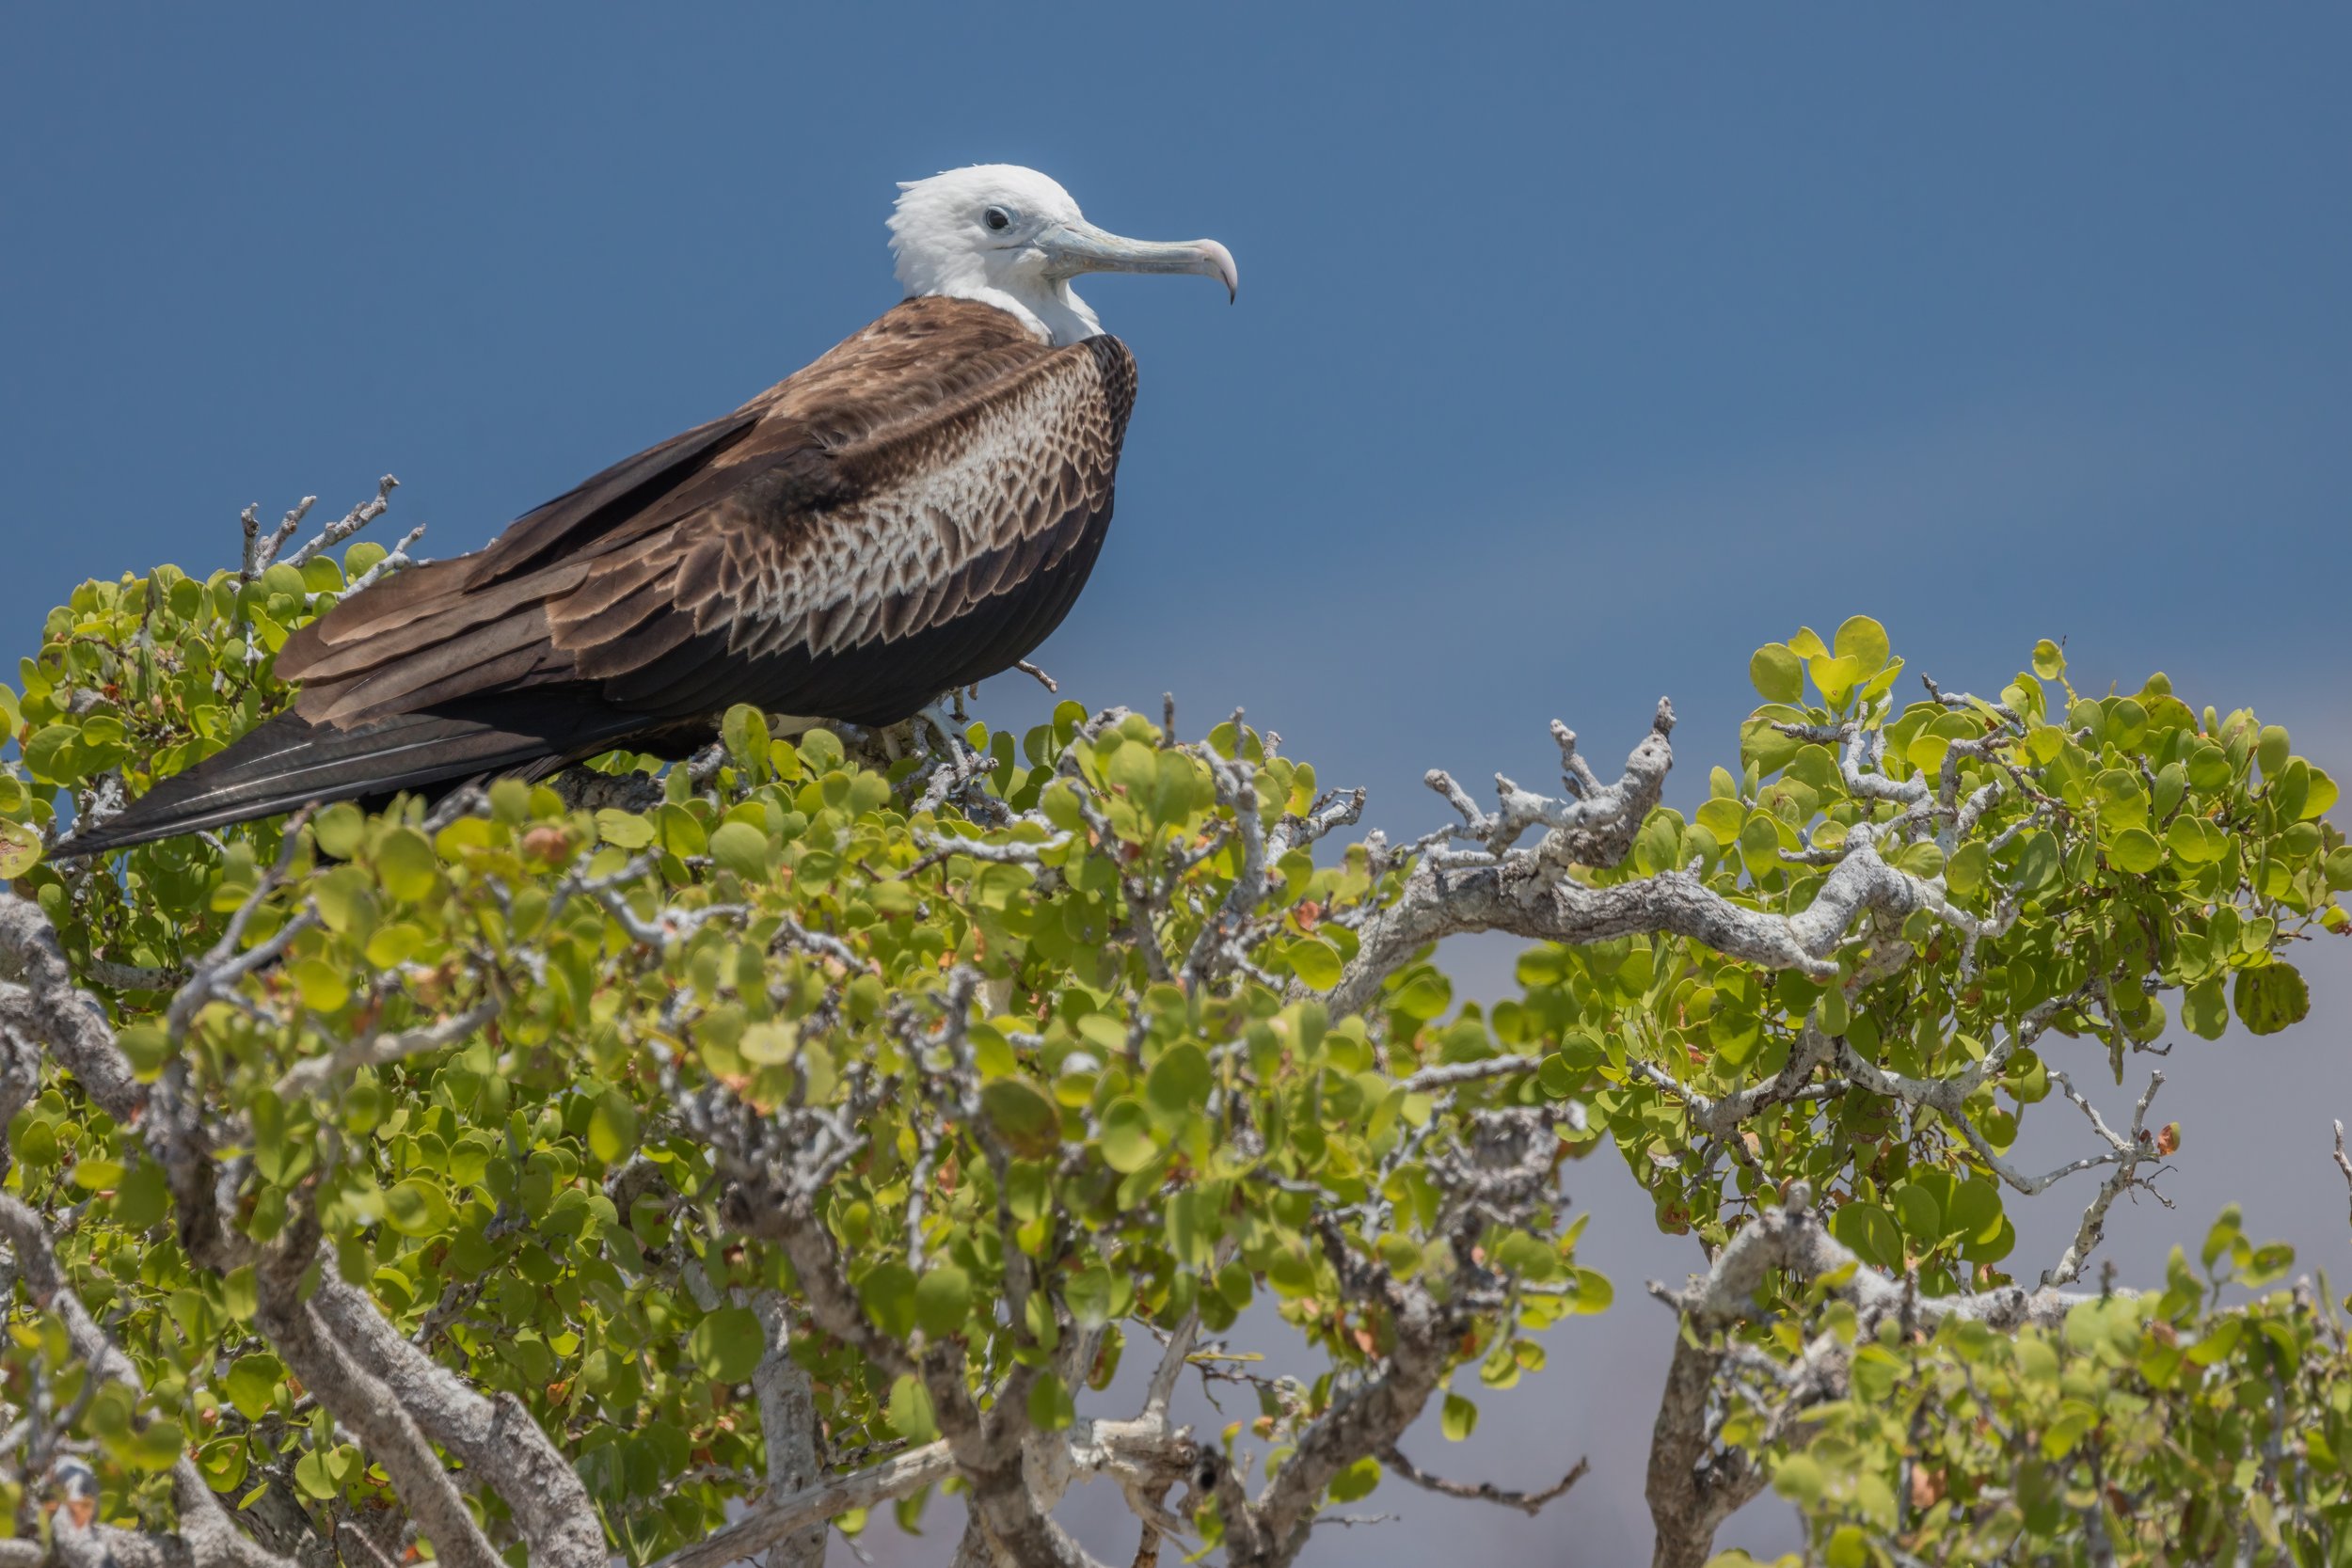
x=1011, y=237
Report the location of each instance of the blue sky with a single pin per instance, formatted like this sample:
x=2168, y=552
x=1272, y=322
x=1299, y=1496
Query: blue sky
x=1578, y=352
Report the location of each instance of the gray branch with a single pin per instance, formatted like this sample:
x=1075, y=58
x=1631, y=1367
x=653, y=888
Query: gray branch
x=207, y=1539
x=1694, y=1483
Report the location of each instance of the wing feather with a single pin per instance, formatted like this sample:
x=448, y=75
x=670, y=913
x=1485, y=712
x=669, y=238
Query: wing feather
x=821, y=549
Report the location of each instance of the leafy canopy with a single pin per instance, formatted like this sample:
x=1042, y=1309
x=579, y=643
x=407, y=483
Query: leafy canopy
x=991, y=1065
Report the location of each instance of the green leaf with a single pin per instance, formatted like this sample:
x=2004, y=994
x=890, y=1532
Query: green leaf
x=1870, y=1231
x=142, y=1197
x=2271, y=749
x=1836, y=677
x=887, y=1292
x=311, y=1476
x=223, y=1463
x=1594, y=1293
x=1356, y=1482
x=1088, y=1293
x=1759, y=846
x=1799, y=1478
x=20, y=850
x=2319, y=796
x=745, y=731
x=416, y=1207
x=910, y=1411
x=820, y=752
x=1178, y=1082
x=727, y=1344
x=406, y=864
x=1024, y=1116
x=2271, y=998
x=2049, y=660
x=1777, y=673
x=1969, y=869
x=323, y=986
x=1921, y=1215
x=2135, y=850
x=49, y=753
x=253, y=1382
x=337, y=828
x=2204, y=1009
x=739, y=848
x=1050, y=1405
x=2195, y=840
x=623, y=829
x=1864, y=641
x=1128, y=1144
x=943, y=1300
x=613, y=1128
x=1459, y=1419
x=1315, y=961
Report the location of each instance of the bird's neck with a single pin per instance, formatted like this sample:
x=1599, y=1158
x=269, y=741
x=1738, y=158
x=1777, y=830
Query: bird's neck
x=1052, y=310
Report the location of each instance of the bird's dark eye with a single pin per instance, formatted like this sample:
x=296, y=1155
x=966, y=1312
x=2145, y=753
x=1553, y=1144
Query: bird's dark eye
x=997, y=217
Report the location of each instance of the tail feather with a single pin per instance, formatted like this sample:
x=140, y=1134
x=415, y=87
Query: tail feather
x=290, y=762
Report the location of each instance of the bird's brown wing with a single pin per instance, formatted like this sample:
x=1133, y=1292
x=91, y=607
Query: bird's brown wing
x=914, y=510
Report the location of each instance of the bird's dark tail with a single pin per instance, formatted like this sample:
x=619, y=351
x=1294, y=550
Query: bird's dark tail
x=290, y=762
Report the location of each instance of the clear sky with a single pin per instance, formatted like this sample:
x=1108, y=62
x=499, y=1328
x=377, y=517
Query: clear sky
x=1578, y=353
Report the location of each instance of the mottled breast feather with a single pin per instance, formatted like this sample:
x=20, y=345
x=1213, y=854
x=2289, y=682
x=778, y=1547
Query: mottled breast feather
x=915, y=510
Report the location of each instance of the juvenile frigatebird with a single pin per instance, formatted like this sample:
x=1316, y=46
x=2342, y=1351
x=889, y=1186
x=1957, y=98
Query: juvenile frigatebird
x=911, y=513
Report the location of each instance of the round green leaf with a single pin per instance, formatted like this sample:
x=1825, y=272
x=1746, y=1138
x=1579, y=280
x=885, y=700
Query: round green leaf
x=1969, y=869
x=2271, y=749
x=1869, y=1230
x=1356, y=1482
x=1777, y=673
x=337, y=828
x=1836, y=676
x=1921, y=1215
x=2270, y=998
x=323, y=986
x=2319, y=795
x=910, y=1410
x=1315, y=961
x=942, y=1299
x=1799, y=1478
x=407, y=864
x=2195, y=840
x=1024, y=1116
x=253, y=1382
x=612, y=1127
x=727, y=1344
x=887, y=1292
x=2135, y=850
x=1128, y=1144
x=625, y=830
x=20, y=850
x=416, y=1208
x=1179, y=1081
x=1050, y=1405
x=742, y=848
x=2205, y=1011
x=1864, y=641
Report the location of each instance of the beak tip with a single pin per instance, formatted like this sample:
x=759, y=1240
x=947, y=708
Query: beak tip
x=1226, y=272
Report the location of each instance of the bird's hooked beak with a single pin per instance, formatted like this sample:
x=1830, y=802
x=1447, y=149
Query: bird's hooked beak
x=1073, y=248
